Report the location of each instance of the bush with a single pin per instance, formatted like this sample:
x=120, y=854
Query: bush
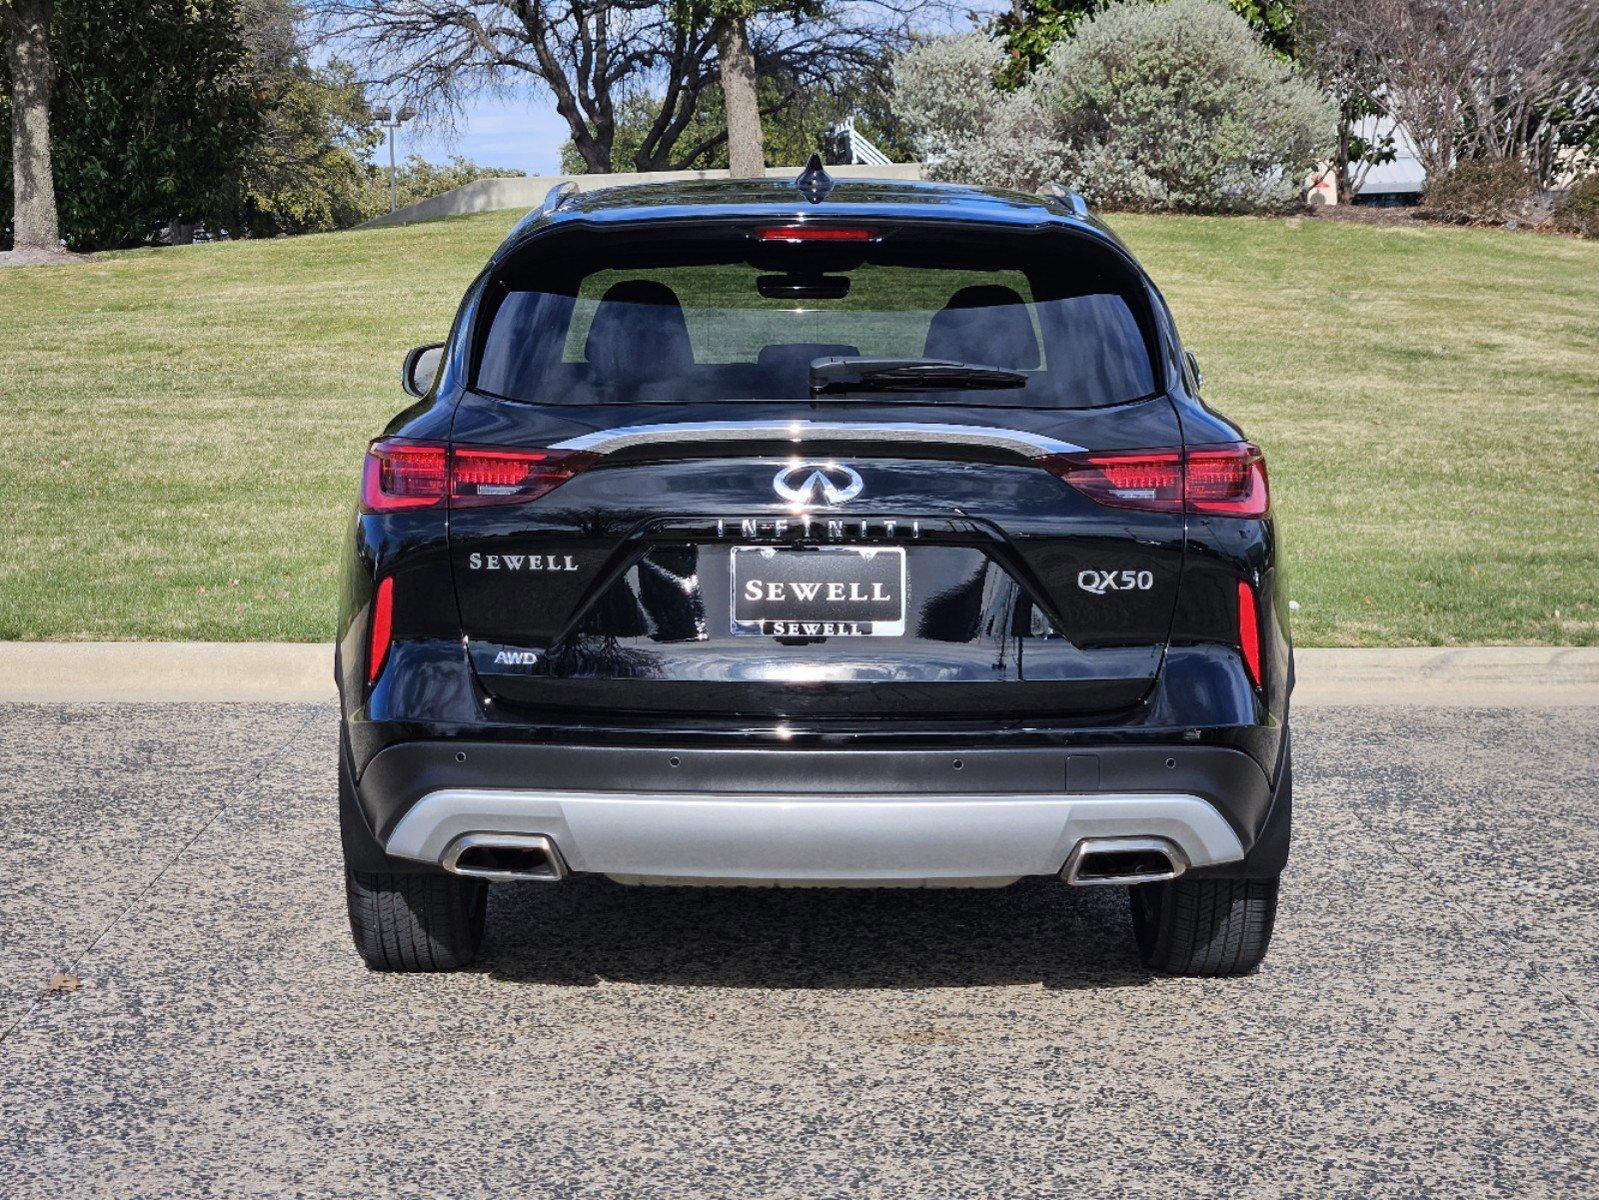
x=1154, y=106
x=1489, y=191
x=1578, y=210
x=944, y=91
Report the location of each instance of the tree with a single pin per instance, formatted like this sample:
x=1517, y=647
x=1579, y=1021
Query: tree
x=1031, y=27
x=308, y=168
x=594, y=54
x=794, y=122
x=26, y=27
x=151, y=115
x=154, y=101
x=1469, y=79
x=1332, y=53
x=730, y=19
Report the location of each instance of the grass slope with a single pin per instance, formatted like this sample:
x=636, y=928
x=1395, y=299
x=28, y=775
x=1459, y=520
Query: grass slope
x=183, y=427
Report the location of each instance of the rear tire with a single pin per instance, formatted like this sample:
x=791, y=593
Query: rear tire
x=415, y=922
x=1204, y=926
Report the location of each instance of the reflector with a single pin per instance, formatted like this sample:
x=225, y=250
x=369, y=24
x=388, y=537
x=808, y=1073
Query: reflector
x=1249, y=631
x=382, y=630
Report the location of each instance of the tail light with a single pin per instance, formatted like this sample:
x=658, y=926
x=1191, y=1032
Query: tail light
x=1228, y=481
x=1225, y=481
x=1147, y=479
x=1249, y=631
x=481, y=477
x=381, y=631
x=401, y=474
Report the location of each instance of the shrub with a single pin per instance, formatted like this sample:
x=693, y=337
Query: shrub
x=1578, y=210
x=1488, y=191
x=1017, y=149
x=1155, y=106
x=1179, y=106
x=944, y=91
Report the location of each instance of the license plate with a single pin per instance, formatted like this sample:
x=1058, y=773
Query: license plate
x=826, y=591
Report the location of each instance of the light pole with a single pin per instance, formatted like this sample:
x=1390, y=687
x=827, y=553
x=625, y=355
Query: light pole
x=391, y=119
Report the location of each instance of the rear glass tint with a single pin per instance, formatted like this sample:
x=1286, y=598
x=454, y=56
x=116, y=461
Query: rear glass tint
x=745, y=323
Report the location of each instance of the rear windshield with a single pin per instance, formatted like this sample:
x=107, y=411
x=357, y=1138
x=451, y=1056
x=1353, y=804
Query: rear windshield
x=623, y=321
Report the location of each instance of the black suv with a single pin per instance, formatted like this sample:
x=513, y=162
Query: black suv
x=813, y=534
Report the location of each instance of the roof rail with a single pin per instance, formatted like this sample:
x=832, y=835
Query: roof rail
x=1066, y=196
x=557, y=196
x=814, y=182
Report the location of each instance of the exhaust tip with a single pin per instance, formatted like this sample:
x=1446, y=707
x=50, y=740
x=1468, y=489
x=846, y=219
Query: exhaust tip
x=1118, y=862
x=505, y=858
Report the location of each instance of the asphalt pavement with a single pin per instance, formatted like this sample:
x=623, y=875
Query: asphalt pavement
x=182, y=1013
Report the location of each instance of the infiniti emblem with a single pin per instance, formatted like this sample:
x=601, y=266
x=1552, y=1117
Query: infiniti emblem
x=813, y=483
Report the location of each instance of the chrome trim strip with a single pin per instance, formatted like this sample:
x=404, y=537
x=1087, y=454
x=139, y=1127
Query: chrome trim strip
x=796, y=837
x=1017, y=441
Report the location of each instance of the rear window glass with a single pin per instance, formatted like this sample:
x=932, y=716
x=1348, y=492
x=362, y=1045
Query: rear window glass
x=743, y=322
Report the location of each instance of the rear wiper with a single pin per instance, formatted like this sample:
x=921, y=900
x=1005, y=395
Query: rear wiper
x=852, y=376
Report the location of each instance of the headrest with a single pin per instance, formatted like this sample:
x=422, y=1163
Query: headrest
x=638, y=330
x=985, y=323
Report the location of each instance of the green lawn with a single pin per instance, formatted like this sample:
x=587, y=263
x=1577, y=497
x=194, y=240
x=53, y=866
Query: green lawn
x=183, y=427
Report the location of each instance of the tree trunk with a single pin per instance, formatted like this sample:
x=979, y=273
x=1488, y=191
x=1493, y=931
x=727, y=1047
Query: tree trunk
x=595, y=152
x=1341, y=165
x=746, y=148
x=32, y=75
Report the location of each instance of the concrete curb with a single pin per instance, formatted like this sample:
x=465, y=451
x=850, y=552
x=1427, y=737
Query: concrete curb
x=159, y=672
x=259, y=672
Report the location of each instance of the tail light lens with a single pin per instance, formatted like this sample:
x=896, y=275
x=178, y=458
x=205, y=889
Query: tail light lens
x=401, y=474
x=381, y=632
x=1249, y=631
x=1147, y=479
x=481, y=476
x=1225, y=481
x=1228, y=481
x=813, y=233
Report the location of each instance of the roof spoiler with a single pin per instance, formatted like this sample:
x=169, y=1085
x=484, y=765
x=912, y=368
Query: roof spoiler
x=1054, y=191
x=553, y=199
x=557, y=196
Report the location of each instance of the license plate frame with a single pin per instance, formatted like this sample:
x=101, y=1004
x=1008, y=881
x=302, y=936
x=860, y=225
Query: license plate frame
x=862, y=611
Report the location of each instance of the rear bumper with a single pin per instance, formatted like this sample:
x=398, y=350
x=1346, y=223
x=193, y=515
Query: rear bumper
x=817, y=817
x=774, y=839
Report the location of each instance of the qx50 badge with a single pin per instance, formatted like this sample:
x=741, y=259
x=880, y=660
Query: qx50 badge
x=817, y=483
x=1100, y=582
